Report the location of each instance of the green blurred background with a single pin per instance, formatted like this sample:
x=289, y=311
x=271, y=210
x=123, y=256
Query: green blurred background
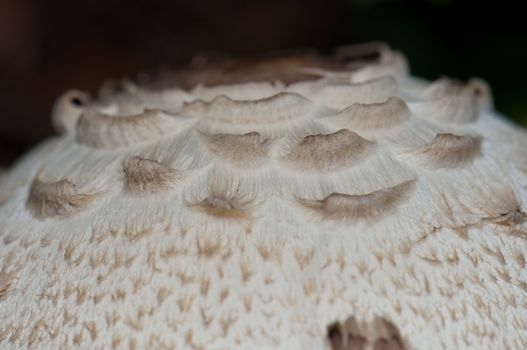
x=47, y=47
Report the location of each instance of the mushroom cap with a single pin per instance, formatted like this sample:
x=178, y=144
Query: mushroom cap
x=297, y=202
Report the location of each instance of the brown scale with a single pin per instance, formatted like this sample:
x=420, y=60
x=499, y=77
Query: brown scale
x=380, y=334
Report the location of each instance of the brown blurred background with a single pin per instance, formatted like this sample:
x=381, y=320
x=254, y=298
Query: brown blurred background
x=49, y=46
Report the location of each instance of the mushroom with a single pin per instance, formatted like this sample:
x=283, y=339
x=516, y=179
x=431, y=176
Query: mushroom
x=297, y=202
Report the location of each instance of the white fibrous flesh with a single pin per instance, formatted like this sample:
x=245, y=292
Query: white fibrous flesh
x=361, y=208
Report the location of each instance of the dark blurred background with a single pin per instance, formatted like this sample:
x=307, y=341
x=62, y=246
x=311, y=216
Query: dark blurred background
x=49, y=46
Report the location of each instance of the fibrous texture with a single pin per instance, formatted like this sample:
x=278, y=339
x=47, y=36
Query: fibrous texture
x=287, y=203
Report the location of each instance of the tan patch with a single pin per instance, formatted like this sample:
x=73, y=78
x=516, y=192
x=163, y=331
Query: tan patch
x=132, y=344
x=449, y=151
x=116, y=341
x=146, y=176
x=375, y=115
x=338, y=206
x=328, y=152
x=224, y=293
x=519, y=258
x=112, y=318
x=7, y=280
x=226, y=323
x=270, y=251
x=162, y=294
x=222, y=207
x=206, y=317
x=204, y=286
x=208, y=247
x=246, y=271
x=380, y=334
x=304, y=257
x=185, y=303
x=56, y=199
x=35, y=334
x=241, y=150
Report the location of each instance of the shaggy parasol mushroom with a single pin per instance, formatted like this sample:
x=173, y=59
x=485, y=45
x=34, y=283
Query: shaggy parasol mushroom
x=289, y=203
